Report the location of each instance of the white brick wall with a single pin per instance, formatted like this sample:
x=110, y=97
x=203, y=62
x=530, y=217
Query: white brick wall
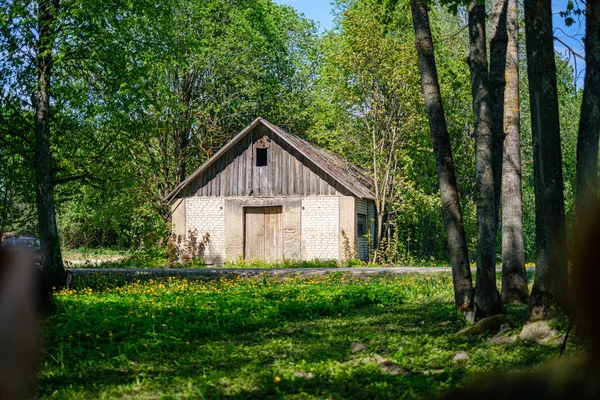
x=207, y=215
x=320, y=228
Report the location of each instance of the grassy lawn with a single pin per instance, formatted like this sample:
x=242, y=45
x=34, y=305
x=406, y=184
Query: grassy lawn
x=266, y=338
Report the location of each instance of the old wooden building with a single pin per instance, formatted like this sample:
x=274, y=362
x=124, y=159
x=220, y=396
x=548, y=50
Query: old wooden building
x=271, y=195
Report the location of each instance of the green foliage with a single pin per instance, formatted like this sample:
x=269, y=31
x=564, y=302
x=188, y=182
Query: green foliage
x=254, y=337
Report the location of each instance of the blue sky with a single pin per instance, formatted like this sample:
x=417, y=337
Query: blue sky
x=320, y=11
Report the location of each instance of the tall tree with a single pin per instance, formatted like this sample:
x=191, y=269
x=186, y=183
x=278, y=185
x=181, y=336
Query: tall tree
x=461, y=272
x=589, y=123
x=44, y=60
x=514, y=275
x=550, y=284
x=498, y=64
x=487, y=298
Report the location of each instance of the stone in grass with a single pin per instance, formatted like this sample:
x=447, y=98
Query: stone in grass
x=491, y=324
x=461, y=356
x=356, y=347
x=538, y=331
x=389, y=367
x=430, y=372
x=502, y=340
x=303, y=375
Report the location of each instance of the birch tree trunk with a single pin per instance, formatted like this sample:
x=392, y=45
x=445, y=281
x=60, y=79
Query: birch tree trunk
x=50, y=244
x=514, y=276
x=589, y=123
x=487, y=298
x=455, y=232
x=550, y=285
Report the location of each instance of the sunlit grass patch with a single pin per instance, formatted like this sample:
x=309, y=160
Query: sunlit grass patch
x=261, y=337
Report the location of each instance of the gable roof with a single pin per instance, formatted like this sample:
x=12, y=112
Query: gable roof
x=350, y=177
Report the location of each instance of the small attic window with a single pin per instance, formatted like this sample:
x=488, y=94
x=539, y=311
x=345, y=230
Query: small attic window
x=261, y=157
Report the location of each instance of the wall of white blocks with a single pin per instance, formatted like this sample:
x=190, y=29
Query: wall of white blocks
x=207, y=215
x=320, y=228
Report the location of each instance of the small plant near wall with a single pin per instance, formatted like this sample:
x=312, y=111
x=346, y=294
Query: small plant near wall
x=349, y=250
x=193, y=248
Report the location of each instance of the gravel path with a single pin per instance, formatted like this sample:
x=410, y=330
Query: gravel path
x=248, y=272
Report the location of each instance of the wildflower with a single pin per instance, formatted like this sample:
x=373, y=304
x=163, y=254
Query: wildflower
x=277, y=379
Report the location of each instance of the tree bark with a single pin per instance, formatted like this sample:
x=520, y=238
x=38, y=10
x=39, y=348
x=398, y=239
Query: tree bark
x=498, y=59
x=487, y=298
x=514, y=275
x=550, y=285
x=589, y=122
x=455, y=232
x=50, y=244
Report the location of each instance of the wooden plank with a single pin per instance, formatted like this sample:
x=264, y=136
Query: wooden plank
x=276, y=166
x=273, y=234
x=249, y=170
x=264, y=180
x=314, y=187
x=234, y=174
x=324, y=185
x=256, y=176
x=254, y=235
x=239, y=183
x=291, y=175
x=294, y=180
x=284, y=173
x=223, y=176
x=300, y=178
x=306, y=177
x=272, y=168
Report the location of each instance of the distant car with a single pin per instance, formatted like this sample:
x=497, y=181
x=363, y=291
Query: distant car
x=28, y=243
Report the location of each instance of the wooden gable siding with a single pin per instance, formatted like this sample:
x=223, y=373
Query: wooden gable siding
x=288, y=173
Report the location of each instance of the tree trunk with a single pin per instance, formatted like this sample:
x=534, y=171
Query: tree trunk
x=514, y=276
x=589, y=123
x=498, y=47
x=50, y=243
x=550, y=285
x=487, y=298
x=457, y=244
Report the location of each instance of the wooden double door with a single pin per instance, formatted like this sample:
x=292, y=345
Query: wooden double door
x=263, y=233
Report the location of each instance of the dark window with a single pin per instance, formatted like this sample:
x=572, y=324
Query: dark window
x=361, y=221
x=261, y=157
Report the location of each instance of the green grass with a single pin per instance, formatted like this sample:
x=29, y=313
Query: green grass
x=254, y=337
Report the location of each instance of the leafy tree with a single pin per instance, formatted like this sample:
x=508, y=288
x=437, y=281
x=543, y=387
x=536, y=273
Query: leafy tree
x=368, y=68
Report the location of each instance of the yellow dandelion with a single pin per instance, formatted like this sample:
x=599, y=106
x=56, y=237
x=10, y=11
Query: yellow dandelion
x=277, y=379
